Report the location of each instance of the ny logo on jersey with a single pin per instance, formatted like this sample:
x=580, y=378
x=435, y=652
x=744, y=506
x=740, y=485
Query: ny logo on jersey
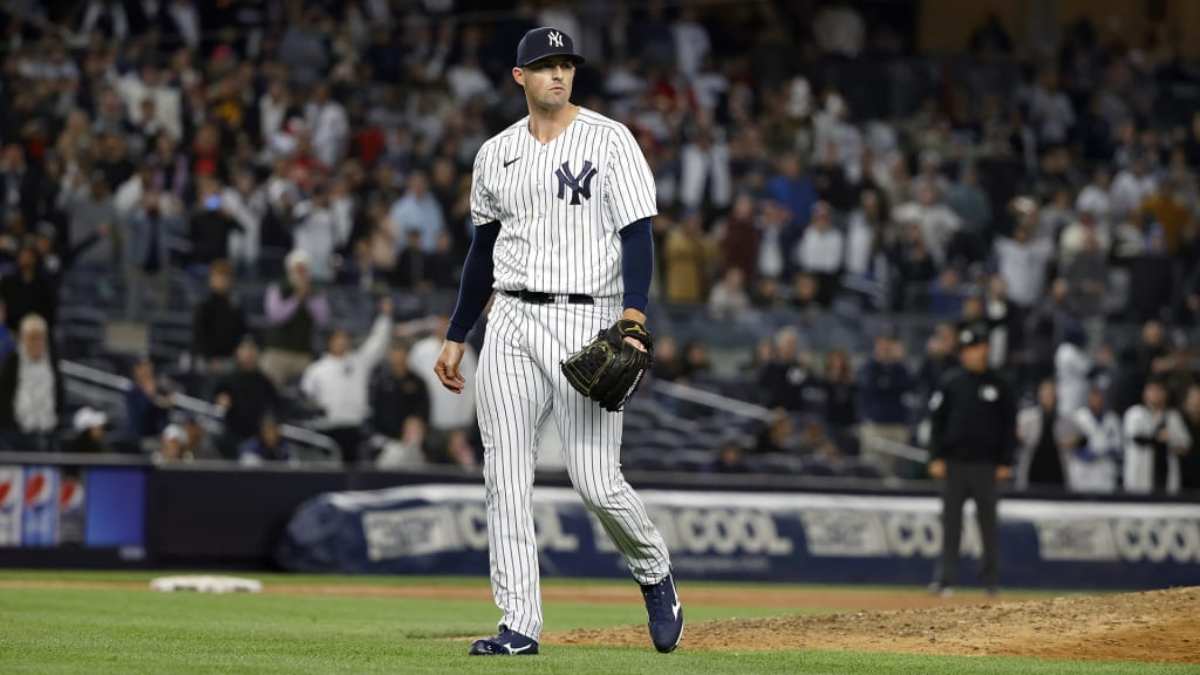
x=580, y=184
x=555, y=38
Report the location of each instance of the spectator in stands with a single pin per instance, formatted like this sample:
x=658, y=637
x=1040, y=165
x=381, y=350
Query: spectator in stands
x=779, y=435
x=89, y=425
x=1096, y=466
x=338, y=382
x=147, y=403
x=29, y=291
x=172, y=446
x=883, y=384
x=397, y=394
x=210, y=224
x=687, y=258
x=268, y=445
x=150, y=229
x=841, y=412
x=729, y=300
x=793, y=189
x=7, y=343
x=1085, y=272
x=218, y=323
x=1131, y=187
x=1022, y=262
x=1189, y=464
x=739, y=238
x=1072, y=365
x=459, y=450
x=667, y=366
x=321, y=230
x=1048, y=439
x=731, y=458
x=406, y=449
x=246, y=396
x=695, y=360
x=414, y=267
x=821, y=252
x=31, y=390
x=198, y=443
x=295, y=312
x=447, y=411
x=786, y=381
x=939, y=359
x=1155, y=437
x=89, y=208
x=417, y=210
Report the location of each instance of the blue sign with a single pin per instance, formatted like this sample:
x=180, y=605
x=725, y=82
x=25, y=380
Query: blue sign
x=442, y=529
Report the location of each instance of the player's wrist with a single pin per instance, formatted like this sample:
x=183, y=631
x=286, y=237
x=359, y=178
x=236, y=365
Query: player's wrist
x=634, y=314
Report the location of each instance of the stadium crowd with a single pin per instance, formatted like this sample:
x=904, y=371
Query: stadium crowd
x=1049, y=190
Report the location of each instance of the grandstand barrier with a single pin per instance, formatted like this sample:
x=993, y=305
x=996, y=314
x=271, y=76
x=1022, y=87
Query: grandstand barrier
x=831, y=538
x=120, y=512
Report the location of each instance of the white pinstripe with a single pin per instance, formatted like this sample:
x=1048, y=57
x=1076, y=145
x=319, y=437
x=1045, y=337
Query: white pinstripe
x=546, y=244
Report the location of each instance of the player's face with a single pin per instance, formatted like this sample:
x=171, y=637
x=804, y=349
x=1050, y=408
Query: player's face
x=547, y=82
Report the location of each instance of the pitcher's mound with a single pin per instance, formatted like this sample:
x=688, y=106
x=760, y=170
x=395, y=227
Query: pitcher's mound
x=1154, y=626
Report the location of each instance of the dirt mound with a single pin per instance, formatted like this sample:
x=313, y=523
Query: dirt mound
x=1160, y=626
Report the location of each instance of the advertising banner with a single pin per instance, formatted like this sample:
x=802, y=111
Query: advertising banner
x=39, y=520
x=12, y=483
x=433, y=529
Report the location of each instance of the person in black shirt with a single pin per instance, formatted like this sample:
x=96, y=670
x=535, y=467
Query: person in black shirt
x=218, y=324
x=972, y=441
x=246, y=395
x=1047, y=438
x=397, y=394
x=1189, y=463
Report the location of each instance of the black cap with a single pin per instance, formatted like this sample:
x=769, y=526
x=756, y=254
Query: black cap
x=970, y=334
x=545, y=41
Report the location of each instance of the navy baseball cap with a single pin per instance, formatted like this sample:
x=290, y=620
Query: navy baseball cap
x=545, y=41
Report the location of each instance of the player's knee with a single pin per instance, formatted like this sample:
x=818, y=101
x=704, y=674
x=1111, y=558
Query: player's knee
x=599, y=497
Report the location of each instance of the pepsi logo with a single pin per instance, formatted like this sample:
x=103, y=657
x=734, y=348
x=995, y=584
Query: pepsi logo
x=34, y=488
x=70, y=491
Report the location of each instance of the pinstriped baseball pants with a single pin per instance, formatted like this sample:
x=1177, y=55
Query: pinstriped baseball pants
x=520, y=386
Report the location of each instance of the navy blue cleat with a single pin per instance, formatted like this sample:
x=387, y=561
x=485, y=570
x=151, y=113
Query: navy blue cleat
x=507, y=643
x=666, y=614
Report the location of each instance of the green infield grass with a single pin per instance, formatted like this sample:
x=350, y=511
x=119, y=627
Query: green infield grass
x=88, y=622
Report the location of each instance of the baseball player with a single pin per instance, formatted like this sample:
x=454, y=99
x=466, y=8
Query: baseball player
x=561, y=202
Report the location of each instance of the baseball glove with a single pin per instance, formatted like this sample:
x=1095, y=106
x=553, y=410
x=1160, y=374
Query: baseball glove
x=608, y=369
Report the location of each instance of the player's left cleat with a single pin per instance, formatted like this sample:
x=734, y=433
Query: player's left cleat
x=507, y=643
x=666, y=614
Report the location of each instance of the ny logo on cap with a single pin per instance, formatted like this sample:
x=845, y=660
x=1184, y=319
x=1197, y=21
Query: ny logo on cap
x=580, y=184
x=555, y=38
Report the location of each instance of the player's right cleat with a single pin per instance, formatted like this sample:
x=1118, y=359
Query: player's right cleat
x=507, y=643
x=666, y=614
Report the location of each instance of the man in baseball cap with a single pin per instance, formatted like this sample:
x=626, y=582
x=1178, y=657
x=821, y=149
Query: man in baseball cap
x=973, y=420
x=545, y=41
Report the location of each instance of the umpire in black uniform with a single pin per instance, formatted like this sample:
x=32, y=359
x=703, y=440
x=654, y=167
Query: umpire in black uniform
x=973, y=437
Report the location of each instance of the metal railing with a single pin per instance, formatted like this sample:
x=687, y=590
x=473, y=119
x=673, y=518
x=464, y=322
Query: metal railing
x=94, y=383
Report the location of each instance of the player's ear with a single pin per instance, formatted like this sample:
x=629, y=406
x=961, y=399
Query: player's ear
x=518, y=76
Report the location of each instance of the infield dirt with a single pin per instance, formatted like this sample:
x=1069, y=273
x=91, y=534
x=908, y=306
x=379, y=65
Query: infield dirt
x=1157, y=626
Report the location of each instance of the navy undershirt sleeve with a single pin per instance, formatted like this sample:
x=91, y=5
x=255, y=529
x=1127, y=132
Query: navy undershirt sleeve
x=637, y=263
x=476, y=285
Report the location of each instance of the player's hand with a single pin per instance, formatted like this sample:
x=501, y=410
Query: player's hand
x=937, y=469
x=1004, y=472
x=446, y=367
x=635, y=343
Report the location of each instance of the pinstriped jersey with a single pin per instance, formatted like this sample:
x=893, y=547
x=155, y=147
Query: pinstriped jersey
x=561, y=204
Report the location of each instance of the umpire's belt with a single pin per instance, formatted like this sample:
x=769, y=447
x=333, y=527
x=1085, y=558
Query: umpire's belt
x=551, y=298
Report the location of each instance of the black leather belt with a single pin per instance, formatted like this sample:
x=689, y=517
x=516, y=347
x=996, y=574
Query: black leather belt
x=550, y=298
